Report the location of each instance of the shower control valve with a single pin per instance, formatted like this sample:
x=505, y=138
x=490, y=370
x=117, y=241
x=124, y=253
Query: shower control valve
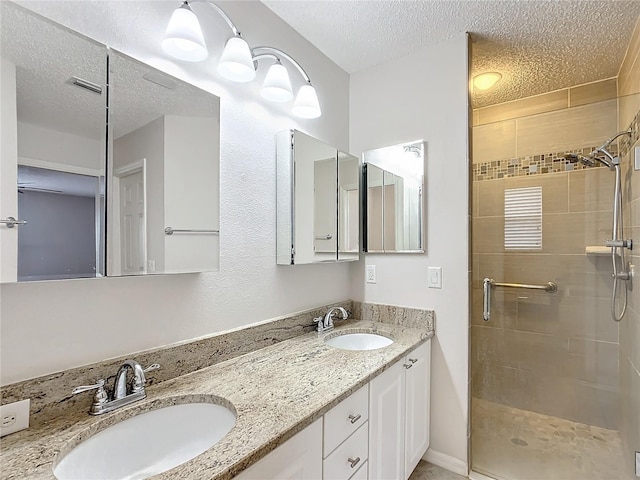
x=619, y=243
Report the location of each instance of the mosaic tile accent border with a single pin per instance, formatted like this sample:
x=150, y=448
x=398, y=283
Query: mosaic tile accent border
x=553, y=162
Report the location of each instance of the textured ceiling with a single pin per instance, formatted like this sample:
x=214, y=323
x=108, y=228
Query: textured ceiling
x=538, y=46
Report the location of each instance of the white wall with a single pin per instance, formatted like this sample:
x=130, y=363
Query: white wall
x=424, y=95
x=50, y=326
x=39, y=143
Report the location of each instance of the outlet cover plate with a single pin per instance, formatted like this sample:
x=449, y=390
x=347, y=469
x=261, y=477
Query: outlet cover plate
x=14, y=417
x=371, y=274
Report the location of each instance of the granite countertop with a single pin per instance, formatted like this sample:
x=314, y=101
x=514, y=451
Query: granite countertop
x=276, y=392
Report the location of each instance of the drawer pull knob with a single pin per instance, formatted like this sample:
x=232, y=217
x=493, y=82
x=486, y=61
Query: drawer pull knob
x=408, y=366
x=355, y=418
x=353, y=461
x=413, y=360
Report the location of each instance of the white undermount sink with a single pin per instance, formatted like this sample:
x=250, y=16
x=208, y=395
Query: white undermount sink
x=148, y=444
x=359, y=341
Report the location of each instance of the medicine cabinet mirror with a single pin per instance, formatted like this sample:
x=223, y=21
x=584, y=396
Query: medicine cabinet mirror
x=393, y=213
x=163, y=213
x=52, y=150
x=318, y=201
x=54, y=153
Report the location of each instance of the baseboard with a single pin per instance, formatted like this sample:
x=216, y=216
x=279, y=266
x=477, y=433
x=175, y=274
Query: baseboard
x=446, y=461
x=479, y=476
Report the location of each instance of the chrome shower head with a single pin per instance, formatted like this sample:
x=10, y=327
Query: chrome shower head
x=589, y=161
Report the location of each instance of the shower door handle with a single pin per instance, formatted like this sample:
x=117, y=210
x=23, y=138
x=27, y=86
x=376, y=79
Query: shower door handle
x=486, y=294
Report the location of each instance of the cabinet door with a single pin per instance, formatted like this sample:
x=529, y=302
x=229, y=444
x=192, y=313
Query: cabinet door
x=299, y=458
x=417, y=367
x=386, y=424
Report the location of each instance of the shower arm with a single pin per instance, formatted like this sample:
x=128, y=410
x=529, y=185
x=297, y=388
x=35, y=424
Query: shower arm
x=603, y=148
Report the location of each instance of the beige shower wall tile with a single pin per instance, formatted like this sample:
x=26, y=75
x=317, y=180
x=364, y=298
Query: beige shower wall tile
x=491, y=198
x=630, y=335
x=566, y=129
x=475, y=190
x=628, y=106
x=629, y=74
x=494, y=142
x=546, y=102
x=488, y=235
x=475, y=118
x=571, y=232
x=593, y=92
x=587, y=317
x=630, y=413
x=591, y=190
x=635, y=207
x=593, y=361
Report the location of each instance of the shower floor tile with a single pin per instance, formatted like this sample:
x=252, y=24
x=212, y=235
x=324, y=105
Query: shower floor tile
x=512, y=444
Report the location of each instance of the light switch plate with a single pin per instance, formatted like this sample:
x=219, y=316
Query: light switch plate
x=637, y=464
x=435, y=277
x=636, y=158
x=14, y=417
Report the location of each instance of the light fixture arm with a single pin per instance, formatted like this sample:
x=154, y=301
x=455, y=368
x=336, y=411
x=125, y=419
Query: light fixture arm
x=221, y=12
x=270, y=52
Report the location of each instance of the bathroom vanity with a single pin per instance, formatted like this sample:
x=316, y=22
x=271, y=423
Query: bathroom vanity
x=298, y=399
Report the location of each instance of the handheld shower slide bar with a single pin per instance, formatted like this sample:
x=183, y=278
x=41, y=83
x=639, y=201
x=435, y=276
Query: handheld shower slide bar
x=487, y=283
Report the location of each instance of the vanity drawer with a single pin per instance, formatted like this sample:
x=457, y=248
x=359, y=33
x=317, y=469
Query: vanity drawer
x=345, y=418
x=349, y=457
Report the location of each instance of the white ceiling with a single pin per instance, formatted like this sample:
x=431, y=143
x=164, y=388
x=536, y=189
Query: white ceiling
x=538, y=46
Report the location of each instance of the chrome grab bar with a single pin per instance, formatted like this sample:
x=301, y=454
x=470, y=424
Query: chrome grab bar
x=171, y=231
x=487, y=283
x=11, y=222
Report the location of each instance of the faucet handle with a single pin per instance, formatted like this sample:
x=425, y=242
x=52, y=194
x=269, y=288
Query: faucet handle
x=85, y=388
x=100, y=397
x=151, y=368
x=320, y=322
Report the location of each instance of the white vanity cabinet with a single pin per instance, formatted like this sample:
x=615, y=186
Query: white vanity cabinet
x=299, y=458
x=379, y=433
x=399, y=416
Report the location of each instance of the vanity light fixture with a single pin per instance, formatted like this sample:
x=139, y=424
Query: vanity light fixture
x=486, y=80
x=184, y=40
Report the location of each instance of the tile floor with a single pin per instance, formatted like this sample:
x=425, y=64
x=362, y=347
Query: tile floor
x=429, y=471
x=513, y=444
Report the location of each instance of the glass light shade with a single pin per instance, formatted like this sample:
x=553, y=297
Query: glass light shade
x=306, y=105
x=183, y=37
x=236, y=63
x=485, y=81
x=277, y=86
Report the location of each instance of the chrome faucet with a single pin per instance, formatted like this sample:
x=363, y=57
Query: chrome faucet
x=326, y=323
x=121, y=395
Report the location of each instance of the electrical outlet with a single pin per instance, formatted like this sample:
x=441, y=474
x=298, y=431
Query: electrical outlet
x=14, y=417
x=637, y=464
x=371, y=274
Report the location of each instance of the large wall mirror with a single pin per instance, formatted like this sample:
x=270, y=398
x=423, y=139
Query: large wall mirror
x=394, y=182
x=318, y=201
x=159, y=201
